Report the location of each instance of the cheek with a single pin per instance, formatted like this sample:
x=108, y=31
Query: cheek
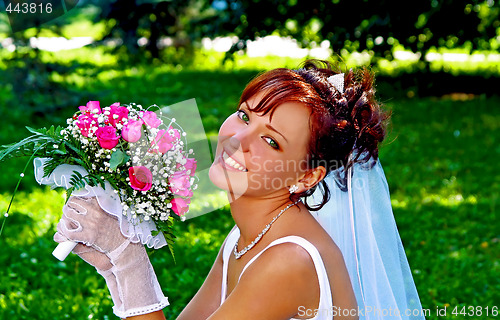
x=278, y=172
x=229, y=125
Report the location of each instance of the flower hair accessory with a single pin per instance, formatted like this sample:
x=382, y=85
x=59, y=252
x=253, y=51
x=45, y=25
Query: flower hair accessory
x=337, y=81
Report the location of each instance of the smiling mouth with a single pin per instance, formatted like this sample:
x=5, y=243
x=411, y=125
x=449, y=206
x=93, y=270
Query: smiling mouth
x=230, y=162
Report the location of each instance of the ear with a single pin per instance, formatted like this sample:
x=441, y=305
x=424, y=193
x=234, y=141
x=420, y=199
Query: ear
x=311, y=178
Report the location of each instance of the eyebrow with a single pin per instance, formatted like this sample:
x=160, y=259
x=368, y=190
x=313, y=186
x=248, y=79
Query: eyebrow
x=270, y=127
x=273, y=129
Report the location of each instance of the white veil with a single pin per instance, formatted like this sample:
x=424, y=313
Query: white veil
x=359, y=218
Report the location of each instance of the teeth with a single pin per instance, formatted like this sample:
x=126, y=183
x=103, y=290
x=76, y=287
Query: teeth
x=229, y=161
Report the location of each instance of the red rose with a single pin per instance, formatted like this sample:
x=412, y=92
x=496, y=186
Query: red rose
x=107, y=137
x=141, y=178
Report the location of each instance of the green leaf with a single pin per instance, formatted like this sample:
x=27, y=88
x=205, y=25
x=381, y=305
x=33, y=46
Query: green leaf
x=29, y=141
x=50, y=166
x=57, y=151
x=79, y=161
x=62, y=147
x=75, y=149
x=117, y=158
x=51, y=131
x=41, y=131
x=76, y=180
x=69, y=192
x=172, y=251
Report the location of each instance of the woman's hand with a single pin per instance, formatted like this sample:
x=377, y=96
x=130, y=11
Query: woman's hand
x=85, y=222
x=124, y=265
x=89, y=254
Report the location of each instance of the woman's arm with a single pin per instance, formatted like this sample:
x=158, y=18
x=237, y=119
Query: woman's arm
x=207, y=299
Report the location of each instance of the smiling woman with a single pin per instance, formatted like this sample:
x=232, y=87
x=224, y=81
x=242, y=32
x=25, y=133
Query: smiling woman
x=324, y=123
x=293, y=130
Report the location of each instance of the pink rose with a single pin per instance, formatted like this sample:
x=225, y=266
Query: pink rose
x=180, y=206
x=149, y=118
x=132, y=131
x=174, y=132
x=117, y=114
x=180, y=184
x=163, y=142
x=141, y=178
x=91, y=107
x=189, y=165
x=86, y=122
x=107, y=137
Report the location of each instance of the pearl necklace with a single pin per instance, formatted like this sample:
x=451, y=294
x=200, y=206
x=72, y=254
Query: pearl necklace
x=239, y=254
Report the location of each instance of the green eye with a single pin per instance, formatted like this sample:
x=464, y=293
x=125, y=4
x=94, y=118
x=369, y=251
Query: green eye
x=243, y=116
x=272, y=143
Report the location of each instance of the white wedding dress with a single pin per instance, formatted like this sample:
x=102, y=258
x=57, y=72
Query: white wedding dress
x=324, y=309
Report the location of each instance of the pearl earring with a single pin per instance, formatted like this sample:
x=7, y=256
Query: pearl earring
x=293, y=188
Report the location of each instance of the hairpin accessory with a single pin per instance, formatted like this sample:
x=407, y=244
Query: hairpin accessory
x=337, y=81
x=293, y=189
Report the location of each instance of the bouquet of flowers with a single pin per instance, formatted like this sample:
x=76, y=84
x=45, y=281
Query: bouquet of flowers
x=134, y=160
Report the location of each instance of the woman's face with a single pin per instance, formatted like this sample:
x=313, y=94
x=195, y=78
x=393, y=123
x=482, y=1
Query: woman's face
x=259, y=156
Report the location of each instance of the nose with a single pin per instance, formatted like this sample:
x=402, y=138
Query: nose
x=234, y=146
x=239, y=141
x=234, y=143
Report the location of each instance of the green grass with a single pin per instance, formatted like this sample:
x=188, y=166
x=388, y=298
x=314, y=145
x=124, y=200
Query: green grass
x=444, y=192
x=439, y=158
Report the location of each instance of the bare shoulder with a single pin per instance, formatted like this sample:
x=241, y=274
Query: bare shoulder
x=286, y=258
x=281, y=280
x=328, y=249
x=340, y=284
x=333, y=260
x=282, y=263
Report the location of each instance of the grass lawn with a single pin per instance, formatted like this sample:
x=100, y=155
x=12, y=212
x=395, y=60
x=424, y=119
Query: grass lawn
x=439, y=159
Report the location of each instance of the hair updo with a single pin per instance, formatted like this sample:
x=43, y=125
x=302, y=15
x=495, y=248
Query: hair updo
x=346, y=128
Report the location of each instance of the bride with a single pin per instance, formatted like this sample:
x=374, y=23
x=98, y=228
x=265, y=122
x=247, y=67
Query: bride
x=295, y=133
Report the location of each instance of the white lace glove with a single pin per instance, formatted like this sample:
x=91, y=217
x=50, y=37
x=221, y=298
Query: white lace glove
x=124, y=265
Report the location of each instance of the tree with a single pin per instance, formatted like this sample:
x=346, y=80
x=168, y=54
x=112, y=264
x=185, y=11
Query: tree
x=141, y=25
x=359, y=25
x=366, y=24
